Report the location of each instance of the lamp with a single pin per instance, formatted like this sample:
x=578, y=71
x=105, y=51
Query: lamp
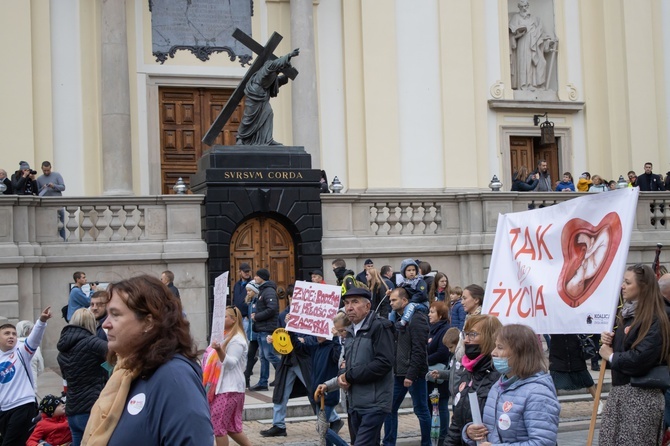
x=179, y=187
x=621, y=183
x=546, y=129
x=336, y=186
x=495, y=184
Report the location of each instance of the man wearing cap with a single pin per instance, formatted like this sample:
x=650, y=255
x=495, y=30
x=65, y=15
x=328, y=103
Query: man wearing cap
x=368, y=377
x=410, y=367
x=265, y=321
x=317, y=276
x=369, y=264
x=240, y=293
x=23, y=180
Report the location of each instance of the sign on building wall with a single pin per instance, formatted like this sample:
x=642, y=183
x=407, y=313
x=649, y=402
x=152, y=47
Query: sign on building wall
x=202, y=27
x=559, y=269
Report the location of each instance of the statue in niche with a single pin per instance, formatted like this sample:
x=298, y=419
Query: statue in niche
x=529, y=44
x=256, y=126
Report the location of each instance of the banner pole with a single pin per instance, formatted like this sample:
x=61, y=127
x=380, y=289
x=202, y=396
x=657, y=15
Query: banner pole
x=596, y=400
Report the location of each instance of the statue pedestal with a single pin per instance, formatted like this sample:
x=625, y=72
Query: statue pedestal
x=241, y=183
x=535, y=95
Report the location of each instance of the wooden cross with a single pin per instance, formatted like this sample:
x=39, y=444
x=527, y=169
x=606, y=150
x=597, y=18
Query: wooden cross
x=265, y=53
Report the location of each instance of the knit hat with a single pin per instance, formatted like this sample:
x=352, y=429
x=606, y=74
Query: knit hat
x=263, y=274
x=252, y=286
x=23, y=165
x=49, y=404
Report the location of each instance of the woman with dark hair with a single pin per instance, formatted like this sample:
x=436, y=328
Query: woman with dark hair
x=155, y=394
x=440, y=289
x=519, y=182
x=522, y=406
x=640, y=342
x=81, y=353
x=438, y=356
x=479, y=374
x=379, y=291
x=473, y=297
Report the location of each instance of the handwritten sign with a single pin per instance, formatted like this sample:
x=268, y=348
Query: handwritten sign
x=313, y=308
x=219, y=311
x=559, y=269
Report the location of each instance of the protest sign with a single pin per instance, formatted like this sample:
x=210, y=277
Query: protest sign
x=219, y=310
x=313, y=308
x=559, y=269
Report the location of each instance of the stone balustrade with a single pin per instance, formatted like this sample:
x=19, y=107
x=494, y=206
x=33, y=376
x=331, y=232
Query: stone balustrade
x=43, y=241
x=454, y=231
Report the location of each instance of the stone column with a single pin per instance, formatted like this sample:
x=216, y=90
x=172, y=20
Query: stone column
x=117, y=168
x=303, y=90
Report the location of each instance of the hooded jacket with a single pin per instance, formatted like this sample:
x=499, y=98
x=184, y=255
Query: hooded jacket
x=80, y=358
x=267, y=308
x=417, y=288
x=524, y=412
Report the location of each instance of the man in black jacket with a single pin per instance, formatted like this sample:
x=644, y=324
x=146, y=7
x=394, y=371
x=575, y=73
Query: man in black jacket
x=265, y=322
x=368, y=376
x=648, y=181
x=410, y=367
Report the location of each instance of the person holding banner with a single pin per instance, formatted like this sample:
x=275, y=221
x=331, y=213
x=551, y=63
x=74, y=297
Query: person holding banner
x=641, y=341
x=522, y=406
x=479, y=374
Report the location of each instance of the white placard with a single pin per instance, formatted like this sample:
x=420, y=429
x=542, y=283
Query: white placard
x=559, y=269
x=475, y=410
x=219, y=310
x=313, y=307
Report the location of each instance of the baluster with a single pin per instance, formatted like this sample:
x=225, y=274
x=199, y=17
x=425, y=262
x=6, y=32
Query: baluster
x=405, y=218
x=115, y=223
x=86, y=224
x=373, y=218
x=140, y=223
x=71, y=224
x=417, y=218
x=428, y=218
x=393, y=219
x=130, y=223
x=102, y=223
x=382, y=219
x=438, y=219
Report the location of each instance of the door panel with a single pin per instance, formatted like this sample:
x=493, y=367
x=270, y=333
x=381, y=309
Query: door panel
x=185, y=115
x=527, y=151
x=264, y=243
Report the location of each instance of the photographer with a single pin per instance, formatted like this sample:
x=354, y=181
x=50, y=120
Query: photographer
x=23, y=180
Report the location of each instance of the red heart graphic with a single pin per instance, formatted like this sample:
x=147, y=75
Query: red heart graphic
x=588, y=252
x=507, y=406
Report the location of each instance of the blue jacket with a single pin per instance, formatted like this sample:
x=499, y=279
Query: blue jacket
x=524, y=412
x=239, y=296
x=563, y=185
x=458, y=315
x=325, y=358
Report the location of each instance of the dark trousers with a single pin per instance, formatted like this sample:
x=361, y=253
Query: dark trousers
x=366, y=428
x=252, y=357
x=15, y=424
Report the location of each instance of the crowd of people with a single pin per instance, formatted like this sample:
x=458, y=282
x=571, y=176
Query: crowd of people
x=25, y=181
x=125, y=345
x=540, y=180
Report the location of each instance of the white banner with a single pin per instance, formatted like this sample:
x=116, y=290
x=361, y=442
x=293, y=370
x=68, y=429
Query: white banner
x=559, y=269
x=219, y=310
x=313, y=308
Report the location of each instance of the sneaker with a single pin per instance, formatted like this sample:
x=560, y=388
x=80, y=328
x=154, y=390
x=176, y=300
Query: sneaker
x=258, y=388
x=336, y=425
x=601, y=407
x=274, y=431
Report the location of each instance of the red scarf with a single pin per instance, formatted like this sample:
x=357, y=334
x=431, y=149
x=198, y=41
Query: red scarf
x=469, y=364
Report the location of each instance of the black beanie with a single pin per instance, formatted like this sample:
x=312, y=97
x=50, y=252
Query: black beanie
x=263, y=274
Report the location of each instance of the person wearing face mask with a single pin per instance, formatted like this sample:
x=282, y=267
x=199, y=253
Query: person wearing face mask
x=479, y=374
x=522, y=406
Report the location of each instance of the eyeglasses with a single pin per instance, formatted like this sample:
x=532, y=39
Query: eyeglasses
x=471, y=335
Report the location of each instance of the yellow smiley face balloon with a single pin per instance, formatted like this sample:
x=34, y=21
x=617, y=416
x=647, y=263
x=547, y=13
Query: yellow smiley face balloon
x=281, y=341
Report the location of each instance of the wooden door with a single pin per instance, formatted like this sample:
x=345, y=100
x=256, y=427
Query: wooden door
x=527, y=151
x=264, y=242
x=185, y=116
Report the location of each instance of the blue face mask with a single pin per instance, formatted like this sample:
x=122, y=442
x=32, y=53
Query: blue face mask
x=501, y=365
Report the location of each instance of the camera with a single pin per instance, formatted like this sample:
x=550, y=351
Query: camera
x=33, y=172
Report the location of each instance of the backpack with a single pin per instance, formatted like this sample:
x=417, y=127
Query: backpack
x=64, y=312
x=356, y=284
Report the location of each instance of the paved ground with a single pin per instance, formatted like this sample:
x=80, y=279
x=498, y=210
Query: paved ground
x=575, y=414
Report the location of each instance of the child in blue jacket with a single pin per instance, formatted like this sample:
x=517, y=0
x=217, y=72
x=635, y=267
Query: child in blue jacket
x=416, y=288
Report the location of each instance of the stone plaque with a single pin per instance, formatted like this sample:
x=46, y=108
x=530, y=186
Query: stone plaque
x=202, y=27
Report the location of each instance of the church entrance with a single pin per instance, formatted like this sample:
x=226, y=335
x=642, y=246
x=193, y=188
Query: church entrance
x=264, y=242
x=527, y=151
x=186, y=113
